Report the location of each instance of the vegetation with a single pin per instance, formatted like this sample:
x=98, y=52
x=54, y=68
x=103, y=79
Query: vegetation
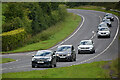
x=13, y=39
x=88, y=70
x=52, y=35
x=107, y=5
x=32, y=17
x=6, y=60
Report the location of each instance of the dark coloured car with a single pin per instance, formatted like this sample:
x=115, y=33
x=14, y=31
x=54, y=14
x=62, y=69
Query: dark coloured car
x=44, y=58
x=66, y=52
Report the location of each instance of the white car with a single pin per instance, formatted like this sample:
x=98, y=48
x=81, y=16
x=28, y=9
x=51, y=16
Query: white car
x=109, y=16
x=102, y=24
x=103, y=32
x=86, y=46
x=107, y=21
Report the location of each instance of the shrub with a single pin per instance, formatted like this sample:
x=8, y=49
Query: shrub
x=13, y=39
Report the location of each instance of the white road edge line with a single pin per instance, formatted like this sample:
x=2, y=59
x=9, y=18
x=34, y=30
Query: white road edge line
x=73, y=33
x=103, y=50
x=100, y=18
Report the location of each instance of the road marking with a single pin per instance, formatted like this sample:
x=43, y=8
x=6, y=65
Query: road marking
x=73, y=33
x=104, y=49
x=100, y=18
x=94, y=34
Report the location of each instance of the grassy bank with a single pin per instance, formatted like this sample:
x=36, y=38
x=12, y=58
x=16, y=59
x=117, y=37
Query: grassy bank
x=97, y=8
x=88, y=70
x=53, y=34
x=6, y=60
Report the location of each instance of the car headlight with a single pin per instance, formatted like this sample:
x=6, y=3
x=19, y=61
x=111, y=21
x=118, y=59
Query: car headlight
x=33, y=59
x=68, y=54
x=79, y=48
x=57, y=54
x=49, y=59
x=91, y=48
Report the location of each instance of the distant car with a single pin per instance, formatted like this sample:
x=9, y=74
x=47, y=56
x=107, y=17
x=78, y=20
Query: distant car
x=107, y=21
x=43, y=58
x=109, y=16
x=86, y=46
x=103, y=32
x=102, y=24
x=66, y=52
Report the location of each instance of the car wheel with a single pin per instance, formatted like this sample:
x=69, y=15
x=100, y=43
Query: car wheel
x=75, y=59
x=98, y=36
x=52, y=66
x=78, y=52
x=71, y=60
x=93, y=51
x=109, y=36
x=33, y=66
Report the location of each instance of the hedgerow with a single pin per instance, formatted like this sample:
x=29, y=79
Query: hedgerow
x=13, y=39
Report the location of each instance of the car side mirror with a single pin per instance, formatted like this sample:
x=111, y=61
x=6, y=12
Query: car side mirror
x=78, y=44
x=33, y=55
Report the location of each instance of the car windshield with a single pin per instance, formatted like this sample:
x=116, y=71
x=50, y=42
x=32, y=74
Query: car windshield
x=85, y=43
x=42, y=53
x=105, y=20
x=64, y=48
x=103, y=29
x=101, y=25
x=108, y=14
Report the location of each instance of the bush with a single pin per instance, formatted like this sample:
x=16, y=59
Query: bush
x=13, y=39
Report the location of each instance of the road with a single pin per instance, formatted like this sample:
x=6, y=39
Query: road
x=106, y=48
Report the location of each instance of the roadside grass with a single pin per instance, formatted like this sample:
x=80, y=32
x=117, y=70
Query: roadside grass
x=6, y=60
x=55, y=34
x=114, y=67
x=87, y=70
x=97, y=8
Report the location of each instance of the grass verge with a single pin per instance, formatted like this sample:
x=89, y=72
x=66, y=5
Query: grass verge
x=87, y=70
x=97, y=8
x=57, y=33
x=6, y=60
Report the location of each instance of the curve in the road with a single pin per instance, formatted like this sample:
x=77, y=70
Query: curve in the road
x=90, y=19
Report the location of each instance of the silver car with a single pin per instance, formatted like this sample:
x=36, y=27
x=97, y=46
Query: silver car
x=102, y=24
x=86, y=46
x=66, y=52
x=103, y=32
x=107, y=21
x=109, y=16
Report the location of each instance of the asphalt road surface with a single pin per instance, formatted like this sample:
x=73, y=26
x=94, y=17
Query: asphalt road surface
x=106, y=48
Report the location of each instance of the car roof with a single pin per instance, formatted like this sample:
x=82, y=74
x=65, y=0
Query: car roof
x=44, y=51
x=102, y=23
x=85, y=40
x=65, y=45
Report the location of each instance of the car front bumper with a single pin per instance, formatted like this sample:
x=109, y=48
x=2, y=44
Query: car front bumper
x=64, y=58
x=41, y=64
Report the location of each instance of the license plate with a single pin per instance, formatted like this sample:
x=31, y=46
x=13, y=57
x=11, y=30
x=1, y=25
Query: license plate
x=40, y=62
x=62, y=57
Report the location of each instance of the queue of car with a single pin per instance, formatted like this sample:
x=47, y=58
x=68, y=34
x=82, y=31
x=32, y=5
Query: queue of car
x=104, y=26
x=50, y=58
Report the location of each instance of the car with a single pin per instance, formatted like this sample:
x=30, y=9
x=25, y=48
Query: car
x=44, y=58
x=102, y=24
x=86, y=46
x=107, y=21
x=66, y=52
x=109, y=16
x=103, y=32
